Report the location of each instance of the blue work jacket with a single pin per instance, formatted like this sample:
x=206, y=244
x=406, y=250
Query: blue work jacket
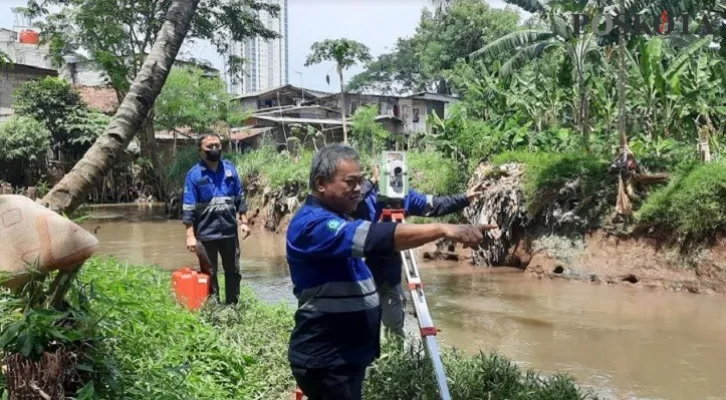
x=212, y=200
x=388, y=268
x=337, y=321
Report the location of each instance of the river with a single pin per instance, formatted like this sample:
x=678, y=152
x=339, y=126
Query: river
x=626, y=343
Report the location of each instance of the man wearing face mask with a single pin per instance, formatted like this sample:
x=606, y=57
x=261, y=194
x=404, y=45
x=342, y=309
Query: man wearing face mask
x=213, y=206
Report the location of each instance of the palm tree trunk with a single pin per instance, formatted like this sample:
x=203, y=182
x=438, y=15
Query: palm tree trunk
x=73, y=189
x=343, y=108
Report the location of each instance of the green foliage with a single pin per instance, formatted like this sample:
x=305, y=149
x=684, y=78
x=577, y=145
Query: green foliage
x=408, y=374
x=153, y=348
x=118, y=34
x=51, y=101
x=369, y=134
x=426, y=60
x=23, y=138
x=433, y=173
x=691, y=206
x=191, y=99
x=344, y=52
x=86, y=126
x=30, y=326
x=545, y=174
x=275, y=168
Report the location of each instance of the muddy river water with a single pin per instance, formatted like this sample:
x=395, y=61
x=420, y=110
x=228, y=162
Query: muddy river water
x=626, y=343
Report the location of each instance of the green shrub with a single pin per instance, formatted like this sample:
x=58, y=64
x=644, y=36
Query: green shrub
x=23, y=138
x=155, y=349
x=546, y=173
x=408, y=374
x=432, y=173
x=692, y=205
x=275, y=168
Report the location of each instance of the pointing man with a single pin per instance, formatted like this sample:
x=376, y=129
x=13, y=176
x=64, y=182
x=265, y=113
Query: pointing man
x=337, y=323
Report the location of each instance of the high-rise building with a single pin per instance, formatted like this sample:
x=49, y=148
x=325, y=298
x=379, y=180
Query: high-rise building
x=265, y=60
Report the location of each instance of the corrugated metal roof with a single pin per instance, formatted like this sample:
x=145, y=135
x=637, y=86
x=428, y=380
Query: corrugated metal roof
x=316, y=93
x=312, y=121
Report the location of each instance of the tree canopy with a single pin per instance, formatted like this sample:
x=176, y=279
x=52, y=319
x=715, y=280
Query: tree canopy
x=118, y=34
x=425, y=60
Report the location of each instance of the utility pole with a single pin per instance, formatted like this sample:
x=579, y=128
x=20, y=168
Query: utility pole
x=302, y=85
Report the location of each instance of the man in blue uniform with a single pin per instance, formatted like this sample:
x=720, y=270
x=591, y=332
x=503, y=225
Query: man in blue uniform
x=337, y=323
x=213, y=204
x=387, y=269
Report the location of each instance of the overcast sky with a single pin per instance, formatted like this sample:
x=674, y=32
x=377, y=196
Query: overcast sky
x=375, y=23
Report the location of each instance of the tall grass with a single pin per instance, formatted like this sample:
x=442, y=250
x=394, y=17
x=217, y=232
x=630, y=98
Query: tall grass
x=692, y=206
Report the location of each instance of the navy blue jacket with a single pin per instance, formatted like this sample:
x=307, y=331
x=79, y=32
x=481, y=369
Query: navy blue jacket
x=212, y=200
x=338, y=317
x=388, y=268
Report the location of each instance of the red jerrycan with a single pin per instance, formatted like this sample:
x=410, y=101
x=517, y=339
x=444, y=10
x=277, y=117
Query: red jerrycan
x=190, y=287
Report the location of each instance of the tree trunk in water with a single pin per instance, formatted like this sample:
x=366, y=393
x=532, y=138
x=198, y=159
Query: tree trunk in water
x=344, y=108
x=72, y=190
x=148, y=140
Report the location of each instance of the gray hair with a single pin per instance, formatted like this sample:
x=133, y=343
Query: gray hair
x=325, y=162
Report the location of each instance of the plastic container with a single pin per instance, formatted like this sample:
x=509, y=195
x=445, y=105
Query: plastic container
x=192, y=288
x=28, y=36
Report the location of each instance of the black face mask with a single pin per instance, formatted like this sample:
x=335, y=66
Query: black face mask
x=213, y=155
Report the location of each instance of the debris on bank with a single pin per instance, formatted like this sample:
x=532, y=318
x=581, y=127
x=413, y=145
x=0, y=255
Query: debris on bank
x=504, y=205
x=561, y=232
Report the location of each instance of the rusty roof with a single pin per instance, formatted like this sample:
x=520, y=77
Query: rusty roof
x=99, y=98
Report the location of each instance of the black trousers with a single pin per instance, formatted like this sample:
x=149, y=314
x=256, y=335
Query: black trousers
x=228, y=249
x=341, y=383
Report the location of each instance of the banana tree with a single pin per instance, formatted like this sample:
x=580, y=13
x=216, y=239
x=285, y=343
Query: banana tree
x=702, y=97
x=529, y=44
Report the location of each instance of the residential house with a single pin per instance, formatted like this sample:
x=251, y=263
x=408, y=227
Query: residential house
x=410, y=110
x=280, y=96
x=12, y=76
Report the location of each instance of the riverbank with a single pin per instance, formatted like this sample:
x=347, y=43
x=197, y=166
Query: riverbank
x=146, y=346
x=559, y=213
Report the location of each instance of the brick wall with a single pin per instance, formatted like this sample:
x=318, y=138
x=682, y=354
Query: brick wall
x=12, y=78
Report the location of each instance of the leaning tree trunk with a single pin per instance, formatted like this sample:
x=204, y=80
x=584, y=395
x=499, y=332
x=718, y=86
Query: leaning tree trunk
x=344, y=108
x=72, y=190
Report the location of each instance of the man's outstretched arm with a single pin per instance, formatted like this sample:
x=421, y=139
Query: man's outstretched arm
x=335, y=237
x=417, y=204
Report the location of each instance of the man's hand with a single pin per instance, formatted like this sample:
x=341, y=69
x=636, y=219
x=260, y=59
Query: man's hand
x=376, y=173
x=244, y=230
x=468, y=235
x=476, y=192
x=191, y=243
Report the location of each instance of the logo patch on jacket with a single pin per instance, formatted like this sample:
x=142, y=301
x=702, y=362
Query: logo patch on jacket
x=334, y=224
x=228, y=173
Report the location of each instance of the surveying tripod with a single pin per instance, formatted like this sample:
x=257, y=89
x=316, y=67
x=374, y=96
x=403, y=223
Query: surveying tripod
x=421, y=310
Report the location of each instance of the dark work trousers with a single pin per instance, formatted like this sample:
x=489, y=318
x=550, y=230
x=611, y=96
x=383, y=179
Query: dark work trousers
x=341, y=383
x=228, y=249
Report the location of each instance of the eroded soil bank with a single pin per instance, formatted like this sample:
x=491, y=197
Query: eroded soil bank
x=538, y=246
